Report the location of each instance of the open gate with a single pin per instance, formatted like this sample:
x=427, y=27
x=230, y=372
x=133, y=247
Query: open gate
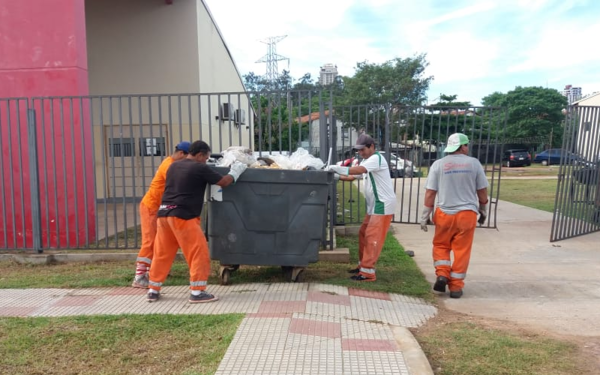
x=577, y=205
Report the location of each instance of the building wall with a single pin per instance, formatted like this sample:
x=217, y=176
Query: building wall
x=43, y=53
x=149, y=47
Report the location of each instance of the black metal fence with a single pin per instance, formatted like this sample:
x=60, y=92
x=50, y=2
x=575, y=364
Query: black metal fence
x=577, y=205
x=75, y=168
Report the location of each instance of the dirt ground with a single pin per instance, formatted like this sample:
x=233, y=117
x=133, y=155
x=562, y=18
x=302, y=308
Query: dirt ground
x=588, y=354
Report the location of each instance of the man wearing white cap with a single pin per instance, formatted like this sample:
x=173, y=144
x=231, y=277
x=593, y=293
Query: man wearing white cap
x=381, y=203
x=459, y=182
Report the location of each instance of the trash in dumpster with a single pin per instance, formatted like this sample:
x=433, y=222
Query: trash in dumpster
x=299, y=160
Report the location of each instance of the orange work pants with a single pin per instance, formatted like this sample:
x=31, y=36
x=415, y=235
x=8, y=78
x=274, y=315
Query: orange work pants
x=148, y=224
x=371, y=237
x=453, y=233
x=174, y=233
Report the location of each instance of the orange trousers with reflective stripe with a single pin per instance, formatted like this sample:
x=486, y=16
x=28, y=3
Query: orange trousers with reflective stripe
x=453, y=233
x=148, y=224
x=371, y=237
x=174, y=233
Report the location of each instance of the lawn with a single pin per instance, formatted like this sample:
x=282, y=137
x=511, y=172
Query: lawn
x=532, y=193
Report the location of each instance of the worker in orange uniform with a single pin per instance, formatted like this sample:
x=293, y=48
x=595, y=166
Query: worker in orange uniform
x=179, y=221
x=459, y=182
x=381, y=203
x=148, y=211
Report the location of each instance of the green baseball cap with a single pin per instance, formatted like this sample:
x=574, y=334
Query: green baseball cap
x=455, y=141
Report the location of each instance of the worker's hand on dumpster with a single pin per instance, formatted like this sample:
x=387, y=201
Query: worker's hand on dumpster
x=336, y=177
x=343, y=171
x=236, y=170
x=483, y=211
x=426, y=218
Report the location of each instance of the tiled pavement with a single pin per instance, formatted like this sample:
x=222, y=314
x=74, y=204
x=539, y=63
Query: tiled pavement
x=288, y=328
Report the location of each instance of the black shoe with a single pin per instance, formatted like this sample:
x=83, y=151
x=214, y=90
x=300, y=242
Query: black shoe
x=361, y=278
x=354, y=270
x=203, y=297
x=152, y=297
x=440, y=284
x=456, y=294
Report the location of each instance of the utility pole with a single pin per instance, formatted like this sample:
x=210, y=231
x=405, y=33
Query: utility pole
x=271, y=58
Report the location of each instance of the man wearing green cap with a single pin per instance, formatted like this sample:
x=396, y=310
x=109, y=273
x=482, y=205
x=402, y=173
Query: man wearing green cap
x=459, y=182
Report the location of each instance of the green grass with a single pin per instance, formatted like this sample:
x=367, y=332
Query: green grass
x=471, y=349
x=125, y=344
x=532, y=193
x=351, y=201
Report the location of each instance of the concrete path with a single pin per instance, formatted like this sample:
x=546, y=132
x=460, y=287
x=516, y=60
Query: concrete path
x=517, y=274
x=288, y=329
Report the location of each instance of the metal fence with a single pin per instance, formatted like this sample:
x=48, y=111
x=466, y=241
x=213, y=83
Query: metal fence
x=75, y=168
x=577, y=205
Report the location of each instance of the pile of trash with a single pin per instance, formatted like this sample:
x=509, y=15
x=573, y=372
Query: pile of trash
x=299, y=160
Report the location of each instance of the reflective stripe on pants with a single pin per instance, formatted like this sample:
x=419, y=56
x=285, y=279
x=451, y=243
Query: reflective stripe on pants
x=174, y=233
x=453, y=233
x=371, y=238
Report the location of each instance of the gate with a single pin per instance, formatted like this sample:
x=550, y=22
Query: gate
x=411, y=139
x=577, y=204
x=75, y=168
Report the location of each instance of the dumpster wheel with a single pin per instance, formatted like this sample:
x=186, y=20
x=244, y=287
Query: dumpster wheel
x=293, y=274
x=225, y=273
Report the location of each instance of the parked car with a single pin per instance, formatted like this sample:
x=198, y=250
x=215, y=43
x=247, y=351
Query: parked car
x=554, y=155
x=516, y=158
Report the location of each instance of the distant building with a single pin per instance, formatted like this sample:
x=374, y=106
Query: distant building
x=573, y=94
x=328, y=74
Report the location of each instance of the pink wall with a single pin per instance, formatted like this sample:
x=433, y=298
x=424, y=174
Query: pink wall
x=43, y=53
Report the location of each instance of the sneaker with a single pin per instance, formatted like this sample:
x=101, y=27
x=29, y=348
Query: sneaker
x=152, y=297
x=362, y=278
x=440, y=284
x=140, y=282
x=354, y=270
x=456, y=293
x=203, y=297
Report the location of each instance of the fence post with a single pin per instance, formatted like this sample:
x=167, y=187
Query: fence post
x=34, y=181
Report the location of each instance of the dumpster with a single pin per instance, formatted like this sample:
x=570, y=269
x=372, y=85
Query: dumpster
x=270, y=217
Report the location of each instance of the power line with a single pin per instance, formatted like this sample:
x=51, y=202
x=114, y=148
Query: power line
x=271, y=58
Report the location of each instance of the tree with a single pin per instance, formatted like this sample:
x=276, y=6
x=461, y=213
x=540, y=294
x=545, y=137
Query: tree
x=532, y=112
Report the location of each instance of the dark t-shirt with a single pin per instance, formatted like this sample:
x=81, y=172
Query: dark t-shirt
x=185, y=187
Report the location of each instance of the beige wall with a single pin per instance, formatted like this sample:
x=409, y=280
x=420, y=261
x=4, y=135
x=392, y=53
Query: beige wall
x=149, y=47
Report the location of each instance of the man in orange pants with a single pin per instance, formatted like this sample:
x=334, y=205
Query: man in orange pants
x=179, y=222
x=460, y=185
x=381, y=203
x=148, y=211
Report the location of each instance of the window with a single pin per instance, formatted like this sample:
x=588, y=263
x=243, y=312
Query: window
x=153, y=146
x=120, y=147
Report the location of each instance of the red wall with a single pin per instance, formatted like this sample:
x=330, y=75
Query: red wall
x=43, y=53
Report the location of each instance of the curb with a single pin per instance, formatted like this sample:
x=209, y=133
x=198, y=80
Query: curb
x=415, y=358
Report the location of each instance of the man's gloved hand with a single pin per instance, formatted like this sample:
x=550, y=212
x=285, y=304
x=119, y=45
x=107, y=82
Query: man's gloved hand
x=336, y=177
x=343, y=171
x=483, y=210
x=236, y=170
x=426, y=218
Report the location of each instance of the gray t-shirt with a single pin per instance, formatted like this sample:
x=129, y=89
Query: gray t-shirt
x=456, y=178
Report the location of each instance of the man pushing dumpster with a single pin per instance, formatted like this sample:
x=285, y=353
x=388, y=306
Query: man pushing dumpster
x=381, y=203
x=179, y=221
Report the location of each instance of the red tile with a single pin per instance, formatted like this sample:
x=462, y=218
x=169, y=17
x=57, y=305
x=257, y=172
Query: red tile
x=279, y=307
x=125, y=291
x=17, y=311
x=334, y=299
x=76, y=301
x=316, y=328
x=364, y=345
x=369, y=294
x=269, y=315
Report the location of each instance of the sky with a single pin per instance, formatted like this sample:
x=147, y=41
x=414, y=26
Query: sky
x=473, y=48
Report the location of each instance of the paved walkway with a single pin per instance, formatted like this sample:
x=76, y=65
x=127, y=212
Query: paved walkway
x=288, y=329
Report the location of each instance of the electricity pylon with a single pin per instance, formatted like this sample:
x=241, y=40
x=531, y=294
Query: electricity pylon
x=271, y=58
